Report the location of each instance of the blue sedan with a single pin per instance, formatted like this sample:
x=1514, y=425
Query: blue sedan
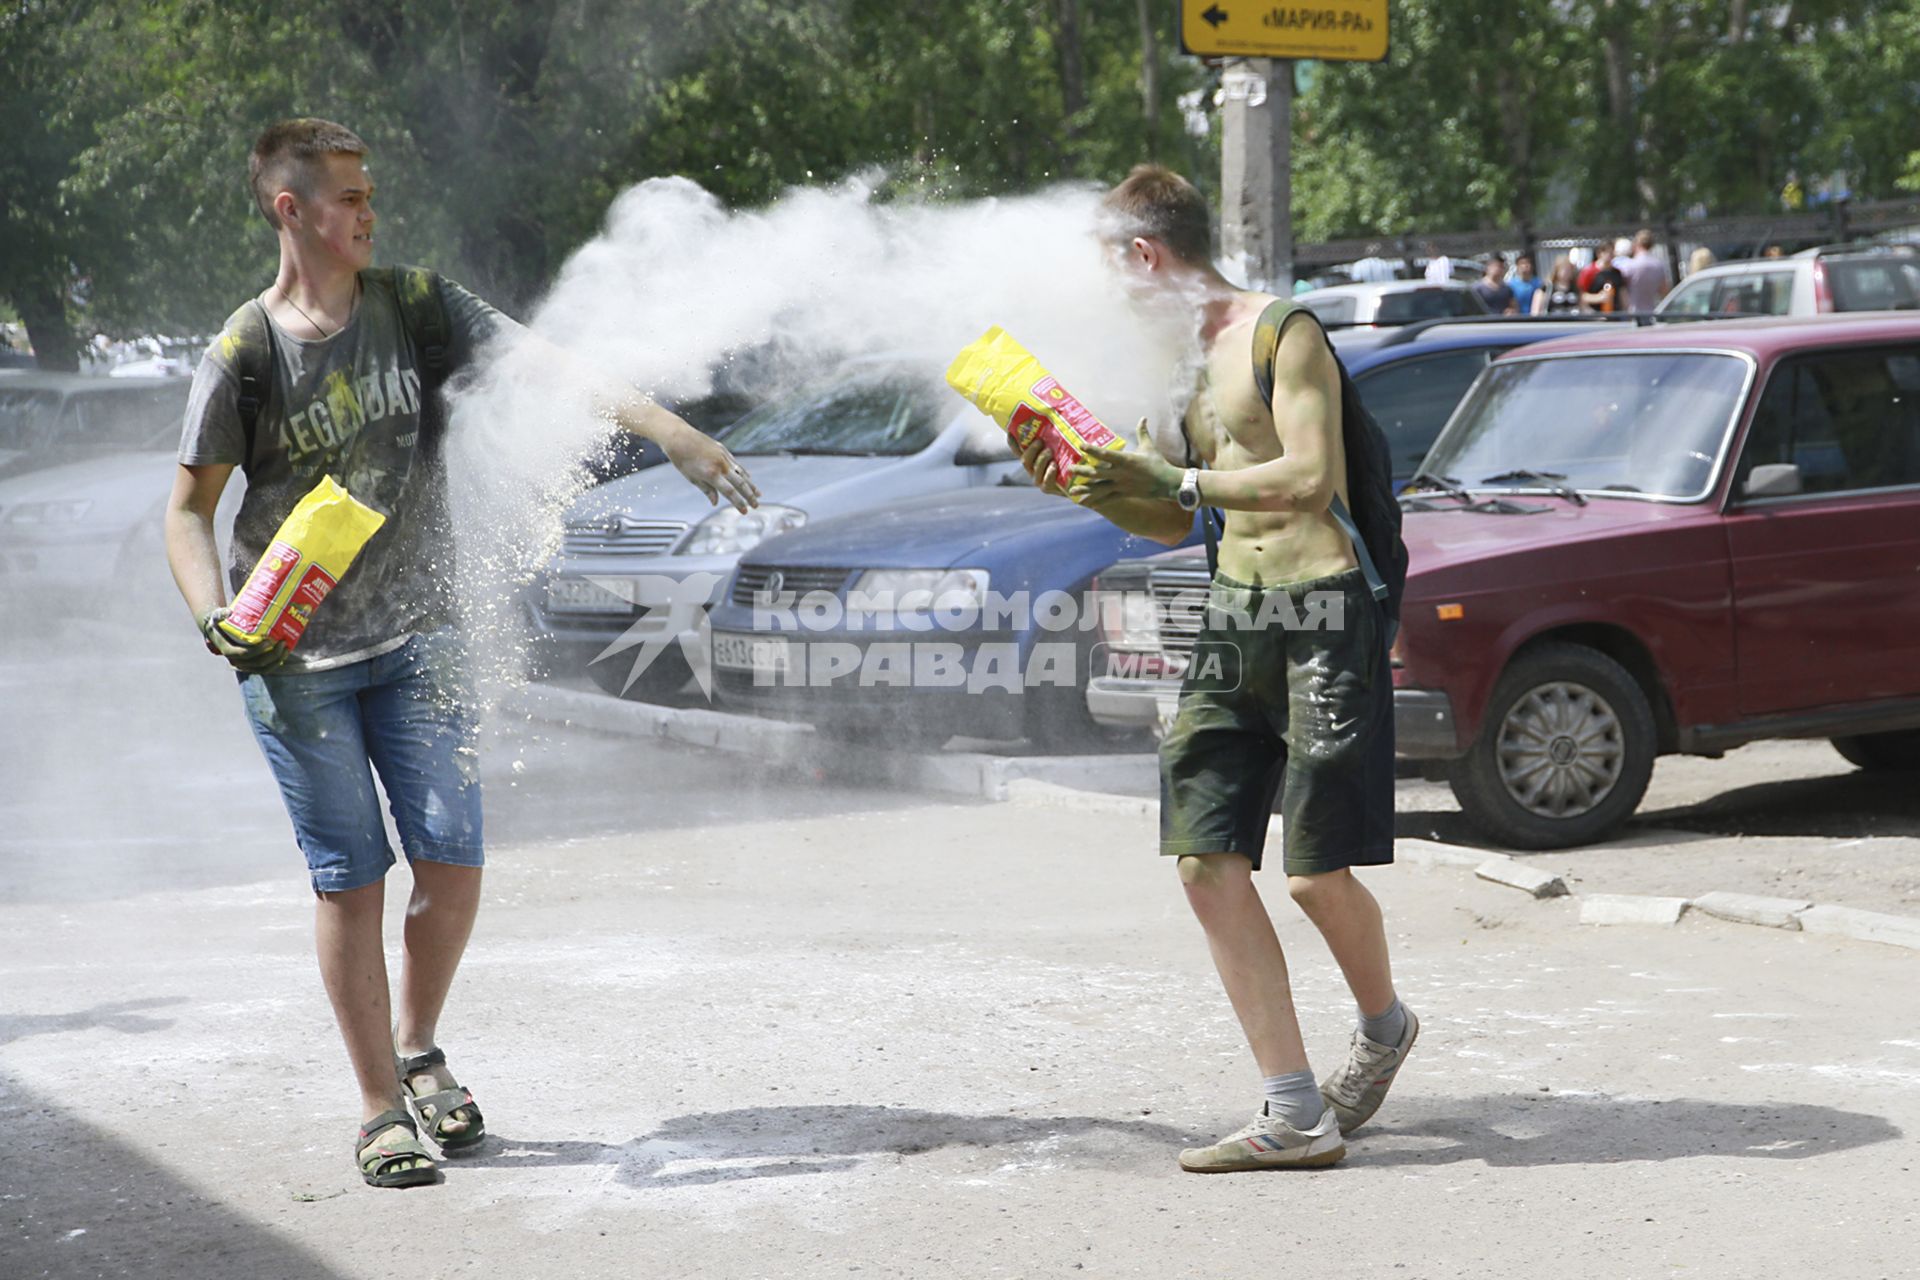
x=962, y=614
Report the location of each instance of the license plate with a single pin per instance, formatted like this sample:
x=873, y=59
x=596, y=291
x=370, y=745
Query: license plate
x=579, y=595
x=768, y=654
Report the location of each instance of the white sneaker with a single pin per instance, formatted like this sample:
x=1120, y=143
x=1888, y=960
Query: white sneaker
x=1356, y=1090
x=1270, y=1143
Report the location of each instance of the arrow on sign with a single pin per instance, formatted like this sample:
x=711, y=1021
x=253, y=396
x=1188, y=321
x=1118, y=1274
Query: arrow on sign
x=1214, y=16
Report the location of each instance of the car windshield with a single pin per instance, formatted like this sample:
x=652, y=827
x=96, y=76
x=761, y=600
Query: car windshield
x=1336, y=310
x=134, y=419
x=34, y=419
x=1644, y=423
x=27, y=417
x=1427, y=304
x=886, y=414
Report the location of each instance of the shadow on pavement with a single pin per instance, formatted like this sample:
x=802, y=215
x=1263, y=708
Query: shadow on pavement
x=120, y=1016
x=1522, y=1131
x=786, y=1141
x=77, y=1202
x=1840, y=806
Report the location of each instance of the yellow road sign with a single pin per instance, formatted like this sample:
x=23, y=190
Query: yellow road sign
x=1350, y=31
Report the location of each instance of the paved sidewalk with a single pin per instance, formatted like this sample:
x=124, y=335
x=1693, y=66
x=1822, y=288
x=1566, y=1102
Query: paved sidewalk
x=944, y=1040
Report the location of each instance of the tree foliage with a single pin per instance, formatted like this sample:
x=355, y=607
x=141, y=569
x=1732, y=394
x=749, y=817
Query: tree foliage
x=501, y=129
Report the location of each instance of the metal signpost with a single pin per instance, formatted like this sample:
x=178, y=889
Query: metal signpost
x=1259, y=42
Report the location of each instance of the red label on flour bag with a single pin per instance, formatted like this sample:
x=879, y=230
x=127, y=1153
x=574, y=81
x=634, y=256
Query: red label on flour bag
x=263, y=584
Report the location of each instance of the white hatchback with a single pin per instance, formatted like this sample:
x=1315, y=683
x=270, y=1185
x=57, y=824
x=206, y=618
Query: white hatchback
x=1847, y=278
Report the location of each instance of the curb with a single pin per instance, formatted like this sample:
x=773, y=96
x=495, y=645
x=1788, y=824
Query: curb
x=1076, y=782
x=788, y=745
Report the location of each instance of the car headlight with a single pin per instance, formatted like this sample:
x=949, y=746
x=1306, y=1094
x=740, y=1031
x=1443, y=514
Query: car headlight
x=729, y=533
x=1131, y=620
x=920, y=591
x=49, y=512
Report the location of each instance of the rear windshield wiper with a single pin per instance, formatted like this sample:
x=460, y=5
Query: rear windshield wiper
x=1427, y=481
x=1548, y=480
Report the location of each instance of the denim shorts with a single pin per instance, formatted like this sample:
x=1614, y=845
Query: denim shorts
x=1296, y=705
x=406, y=715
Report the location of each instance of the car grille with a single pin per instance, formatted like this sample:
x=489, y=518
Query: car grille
x=620, y=535
x=796, y=580
x=1180, y=599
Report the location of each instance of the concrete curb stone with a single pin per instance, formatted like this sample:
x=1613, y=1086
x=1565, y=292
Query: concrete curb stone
x=1630, y=908
x=1431, y=853
x=1518, y=875
x=1751, y=908
x=1863, y=926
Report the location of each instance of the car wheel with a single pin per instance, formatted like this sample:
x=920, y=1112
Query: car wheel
x=1565, y=752
x=1882, y=752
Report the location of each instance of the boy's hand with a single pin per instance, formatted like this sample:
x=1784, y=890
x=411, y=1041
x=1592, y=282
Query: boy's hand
x=1038, y=460
x=253, y=658
x=712, y=470
x=1111, y=473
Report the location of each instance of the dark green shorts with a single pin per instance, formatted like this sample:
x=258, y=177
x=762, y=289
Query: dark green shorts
x=1289, y=695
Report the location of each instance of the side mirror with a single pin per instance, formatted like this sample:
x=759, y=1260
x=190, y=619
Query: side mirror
x=982, y=447
x=1773, y=480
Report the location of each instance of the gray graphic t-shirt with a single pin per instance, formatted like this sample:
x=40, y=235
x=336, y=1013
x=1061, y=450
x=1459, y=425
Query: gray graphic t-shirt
x=350, y=406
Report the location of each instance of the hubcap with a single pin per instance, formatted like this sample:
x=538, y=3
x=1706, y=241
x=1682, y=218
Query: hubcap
x=1560, y=750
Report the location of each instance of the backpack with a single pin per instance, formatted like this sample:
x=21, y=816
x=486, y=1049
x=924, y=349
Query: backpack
x=1373, y=524
x=422, y=315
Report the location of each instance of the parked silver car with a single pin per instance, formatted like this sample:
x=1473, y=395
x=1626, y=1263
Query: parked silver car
x=643, y=556
x=1392, y=302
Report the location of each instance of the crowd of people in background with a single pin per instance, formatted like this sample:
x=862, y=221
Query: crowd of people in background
x=1625, y=275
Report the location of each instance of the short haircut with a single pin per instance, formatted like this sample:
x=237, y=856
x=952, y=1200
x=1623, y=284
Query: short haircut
x=1495, y=257
x=1155, y=203
x=1643, y=238
x=1519, y=258
x=284, y=156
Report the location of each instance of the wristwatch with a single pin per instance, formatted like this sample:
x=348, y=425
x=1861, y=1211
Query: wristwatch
x=1189, y=494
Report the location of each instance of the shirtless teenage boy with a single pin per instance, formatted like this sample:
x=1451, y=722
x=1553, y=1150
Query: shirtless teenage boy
x=1310, y=707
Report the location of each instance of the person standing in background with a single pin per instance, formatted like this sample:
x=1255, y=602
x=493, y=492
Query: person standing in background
x=1439, y=265
x=1524, y=284
x=1560, y=295
x=1493, y=290
x=1700, y=259
x=1645, y=272
x=1604, y=290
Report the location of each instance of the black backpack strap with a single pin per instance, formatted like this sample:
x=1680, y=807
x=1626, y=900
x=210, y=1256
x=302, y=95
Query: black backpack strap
x=424, y=315
x=250, y=344
x=1266, y=345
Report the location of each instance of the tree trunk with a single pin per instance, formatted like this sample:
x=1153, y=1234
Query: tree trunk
x=1516, y=132
x=1149, y=77
x=44, y=313
x=1617, y=50
x=1736, y=21
x=1073, y=74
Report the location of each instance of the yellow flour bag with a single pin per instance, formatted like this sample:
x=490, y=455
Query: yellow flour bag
x=313, y=547
x=1010, y=386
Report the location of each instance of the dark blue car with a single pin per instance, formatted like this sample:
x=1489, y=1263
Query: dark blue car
x=968, y=613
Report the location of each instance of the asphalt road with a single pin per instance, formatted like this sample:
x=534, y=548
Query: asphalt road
x=731, y=1025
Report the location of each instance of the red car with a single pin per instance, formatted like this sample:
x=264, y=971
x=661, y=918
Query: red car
x=1668, y=540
